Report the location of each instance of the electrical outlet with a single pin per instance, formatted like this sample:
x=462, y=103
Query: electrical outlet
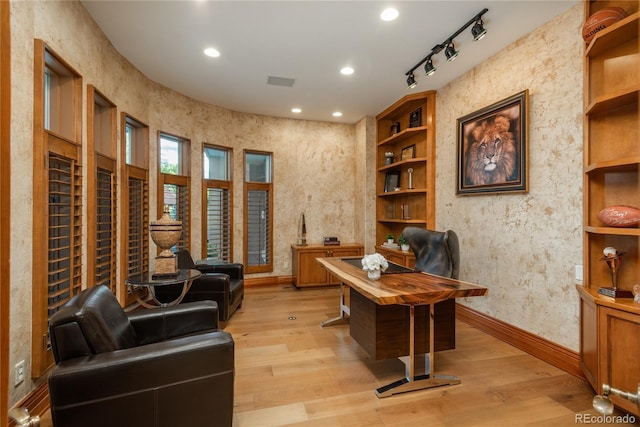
x=19, y=373
x=579, y=273
x=285, y=264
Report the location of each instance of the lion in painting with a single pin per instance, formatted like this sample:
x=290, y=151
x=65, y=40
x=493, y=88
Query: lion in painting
x=491, y=153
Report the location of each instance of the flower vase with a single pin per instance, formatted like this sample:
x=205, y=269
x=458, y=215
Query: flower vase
x=373, y=274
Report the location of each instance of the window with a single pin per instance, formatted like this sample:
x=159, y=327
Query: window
x=258, y=209
x=57, y=195
x=217, y=203
x=102, y=199
x=135, y=203
x=173, y=183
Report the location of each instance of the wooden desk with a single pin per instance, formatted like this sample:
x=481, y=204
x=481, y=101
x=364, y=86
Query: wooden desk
x=410, y=289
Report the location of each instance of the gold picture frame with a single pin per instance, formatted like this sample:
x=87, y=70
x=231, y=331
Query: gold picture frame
x=408, y=152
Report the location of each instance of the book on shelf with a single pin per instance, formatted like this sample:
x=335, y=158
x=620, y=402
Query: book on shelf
x=331, y=241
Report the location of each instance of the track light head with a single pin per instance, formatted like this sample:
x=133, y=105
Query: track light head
x=429, y=68
x=478, y=31
x=450, y=52
x=411, y=81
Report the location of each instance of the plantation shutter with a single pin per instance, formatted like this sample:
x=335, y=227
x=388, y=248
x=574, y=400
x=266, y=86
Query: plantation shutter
x=219, y=224
x=138, y=227
x=258, y=227
x=176, y=197
x=106, y=226
x=64, y=231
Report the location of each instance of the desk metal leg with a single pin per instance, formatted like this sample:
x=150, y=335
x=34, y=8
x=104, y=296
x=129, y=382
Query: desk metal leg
x=411, y=382
x=345, y=312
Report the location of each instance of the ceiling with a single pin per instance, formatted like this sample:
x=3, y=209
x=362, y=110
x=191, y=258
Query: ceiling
x=308, y=41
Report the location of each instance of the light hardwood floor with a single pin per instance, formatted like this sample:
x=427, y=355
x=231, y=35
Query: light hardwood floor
x=291, y=372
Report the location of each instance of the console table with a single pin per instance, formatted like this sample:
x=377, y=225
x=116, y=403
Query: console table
x=410, y=289
x=185, y=277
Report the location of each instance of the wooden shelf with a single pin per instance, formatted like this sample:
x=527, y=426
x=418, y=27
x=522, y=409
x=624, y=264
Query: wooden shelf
x=403, y=135
x=419, y=200
x=622, y=164
x=614, y=100
x=403, y=192
x=614, y=231
x=609, y=326
x=618, y=33
x=402, y=221
x=396, y=165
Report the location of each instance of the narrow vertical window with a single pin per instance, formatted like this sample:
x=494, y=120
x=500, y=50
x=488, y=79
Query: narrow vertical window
x=173, y=183
x=57, y=195
x=102, y=192
x=135, y=202
x=258, y=212
x=217, y=203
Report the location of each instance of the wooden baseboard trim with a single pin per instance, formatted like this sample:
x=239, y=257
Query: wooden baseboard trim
x=548, y=351
x=37, y=402
x=268, y=281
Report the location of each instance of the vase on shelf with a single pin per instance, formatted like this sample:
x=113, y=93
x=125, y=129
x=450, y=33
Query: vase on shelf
x=373, y=274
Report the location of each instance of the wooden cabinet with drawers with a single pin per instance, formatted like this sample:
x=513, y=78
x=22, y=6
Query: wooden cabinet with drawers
x=307, y=272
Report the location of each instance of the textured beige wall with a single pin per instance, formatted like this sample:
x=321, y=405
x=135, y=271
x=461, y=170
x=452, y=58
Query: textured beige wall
x=523, y=246
x=313, y=161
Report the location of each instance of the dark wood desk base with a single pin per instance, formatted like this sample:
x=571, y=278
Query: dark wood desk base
x=382, y=330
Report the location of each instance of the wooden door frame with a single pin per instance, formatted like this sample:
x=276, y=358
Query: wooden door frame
x=5, y=200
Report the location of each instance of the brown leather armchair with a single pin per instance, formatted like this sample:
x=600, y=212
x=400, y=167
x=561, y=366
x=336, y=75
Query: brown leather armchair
x=222, y=283
x=163, y=367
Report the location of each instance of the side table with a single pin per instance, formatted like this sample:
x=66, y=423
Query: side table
x=185, y=277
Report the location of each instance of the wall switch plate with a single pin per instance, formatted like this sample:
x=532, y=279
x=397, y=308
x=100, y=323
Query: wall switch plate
x=19, y=373
x=579, y=273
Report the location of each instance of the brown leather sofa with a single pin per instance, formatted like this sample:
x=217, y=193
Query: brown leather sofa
x=163, y=367
x=220, y=282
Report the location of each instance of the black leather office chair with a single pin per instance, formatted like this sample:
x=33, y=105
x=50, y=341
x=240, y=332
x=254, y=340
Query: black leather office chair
x=220, y=282
x=436, y=252
x=163, y=367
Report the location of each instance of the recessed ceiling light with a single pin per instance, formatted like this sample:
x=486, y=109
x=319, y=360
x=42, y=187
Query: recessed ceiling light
x=212, y=52
x=389, y=14
x=296, y=110
x=347, y=71
x=337, y=114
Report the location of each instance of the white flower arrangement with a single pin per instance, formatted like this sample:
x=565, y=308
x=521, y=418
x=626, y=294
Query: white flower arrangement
x=374, y=262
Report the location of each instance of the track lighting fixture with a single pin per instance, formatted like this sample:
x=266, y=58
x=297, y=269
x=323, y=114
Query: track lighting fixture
x=429, y=68
x=450, y=52
x=477, y=31
x=411, y=81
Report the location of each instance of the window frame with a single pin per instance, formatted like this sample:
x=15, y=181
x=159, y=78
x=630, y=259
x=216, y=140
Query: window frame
x=64, y=142
x=267, y=187
x=137, y=169
x=227, y=187
x=101, y=158
x=182, y=181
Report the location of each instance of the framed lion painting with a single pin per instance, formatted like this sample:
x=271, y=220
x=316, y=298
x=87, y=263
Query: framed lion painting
x=492, y=148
